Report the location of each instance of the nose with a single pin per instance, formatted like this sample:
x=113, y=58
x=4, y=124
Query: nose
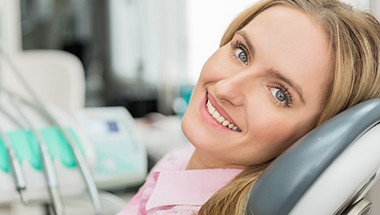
x=232, y=89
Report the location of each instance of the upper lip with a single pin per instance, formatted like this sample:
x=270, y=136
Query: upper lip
x=220, y=109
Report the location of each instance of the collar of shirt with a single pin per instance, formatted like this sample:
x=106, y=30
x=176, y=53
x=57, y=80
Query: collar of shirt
x=188, y=187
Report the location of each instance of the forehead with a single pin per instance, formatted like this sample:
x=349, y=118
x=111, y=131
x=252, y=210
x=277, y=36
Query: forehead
x=288, y=40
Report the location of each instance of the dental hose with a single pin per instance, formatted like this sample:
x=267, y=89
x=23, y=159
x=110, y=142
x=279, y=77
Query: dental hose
x=86, y=174
x=48, y=165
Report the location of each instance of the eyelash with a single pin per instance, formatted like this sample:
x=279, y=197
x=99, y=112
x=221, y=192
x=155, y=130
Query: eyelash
x=289, y=98
x=239, y=45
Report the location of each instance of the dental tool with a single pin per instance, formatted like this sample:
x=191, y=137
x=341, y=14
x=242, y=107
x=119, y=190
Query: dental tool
x=16, y=169
x=15, y=165
x=39, y=106
x=48, y=165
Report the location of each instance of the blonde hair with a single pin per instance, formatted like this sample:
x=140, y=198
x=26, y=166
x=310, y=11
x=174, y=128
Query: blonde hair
x=355, y=44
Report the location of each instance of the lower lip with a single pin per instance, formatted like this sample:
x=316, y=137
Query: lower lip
x=208, y=118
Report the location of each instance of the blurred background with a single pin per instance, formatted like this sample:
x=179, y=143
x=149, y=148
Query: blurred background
x=141, y=54
x=144, y=55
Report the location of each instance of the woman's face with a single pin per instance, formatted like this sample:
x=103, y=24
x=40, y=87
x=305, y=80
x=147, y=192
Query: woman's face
x=261, y=92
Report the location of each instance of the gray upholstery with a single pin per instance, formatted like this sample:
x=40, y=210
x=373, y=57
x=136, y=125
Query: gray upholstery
x=289, y=176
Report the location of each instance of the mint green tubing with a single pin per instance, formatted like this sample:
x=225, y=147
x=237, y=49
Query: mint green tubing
x=4, y=158
x=25, y=145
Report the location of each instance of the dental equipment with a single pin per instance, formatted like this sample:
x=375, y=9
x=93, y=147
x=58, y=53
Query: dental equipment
x=49, y=172
x=121, y=154
x=16, y=170
x=39, y=106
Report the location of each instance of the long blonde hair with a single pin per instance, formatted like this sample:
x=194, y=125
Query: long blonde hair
x=354, y=38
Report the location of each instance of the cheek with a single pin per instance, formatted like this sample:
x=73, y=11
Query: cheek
x=272, y=133
x=271, y=130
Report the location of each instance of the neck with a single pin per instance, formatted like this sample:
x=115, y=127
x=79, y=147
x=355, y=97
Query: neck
x=201, y=160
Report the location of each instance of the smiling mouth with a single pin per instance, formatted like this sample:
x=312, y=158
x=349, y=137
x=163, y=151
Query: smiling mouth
x=219, y=118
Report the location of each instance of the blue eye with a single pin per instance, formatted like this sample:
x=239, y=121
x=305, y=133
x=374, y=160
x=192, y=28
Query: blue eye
x=240, y=51
x=280, y=95
x=241, y=55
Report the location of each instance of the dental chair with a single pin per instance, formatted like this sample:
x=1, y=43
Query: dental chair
x=57, y=77
x=332, y=170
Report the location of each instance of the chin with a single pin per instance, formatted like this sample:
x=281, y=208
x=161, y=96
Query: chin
x=186, y=126
x=190, y=130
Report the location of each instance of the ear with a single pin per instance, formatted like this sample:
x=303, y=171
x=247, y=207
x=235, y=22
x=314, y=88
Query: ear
x=326, y=171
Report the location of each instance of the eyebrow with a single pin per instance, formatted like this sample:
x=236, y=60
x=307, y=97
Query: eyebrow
x=291, y=83
x=243, y=34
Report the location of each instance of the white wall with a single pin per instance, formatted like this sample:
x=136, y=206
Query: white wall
x=124, y=38
x=10, y=26
x=375, y=8
x=361, y=4
x=10, y=29
x=149, y=32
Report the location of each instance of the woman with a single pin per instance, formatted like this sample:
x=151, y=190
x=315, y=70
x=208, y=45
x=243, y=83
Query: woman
x=283, y=68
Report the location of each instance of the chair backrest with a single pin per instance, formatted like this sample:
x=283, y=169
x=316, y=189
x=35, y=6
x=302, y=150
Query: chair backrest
x=327, y=171
x=57, y=77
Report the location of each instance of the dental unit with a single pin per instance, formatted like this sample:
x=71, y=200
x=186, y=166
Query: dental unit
x=47, y=159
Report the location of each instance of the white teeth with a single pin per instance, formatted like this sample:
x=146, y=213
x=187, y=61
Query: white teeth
x=210, y=109
x=214, y=113
x=225, y=123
